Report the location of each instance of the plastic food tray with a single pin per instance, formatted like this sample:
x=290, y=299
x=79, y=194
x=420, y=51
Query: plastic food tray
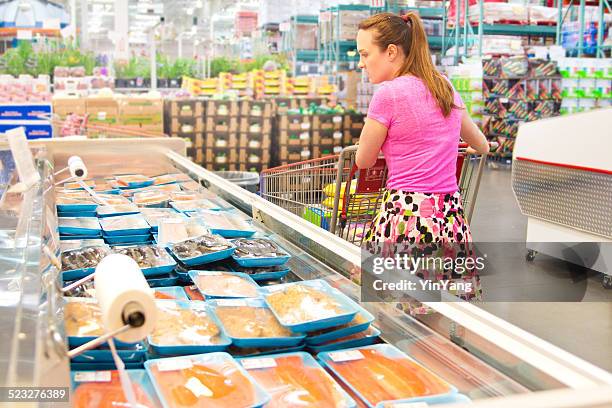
x=370, y=337
x=248, y=262
x=167, y=263
x=206, y=292
x=90, y=226
x=261, y=397
x=314, y=324
x=176, y=292
x=76, y=208
x=81, y=214
x=344, y=331
x=307, y=361
x=176, y=350
x=170, y=279
x=203, y=259
x=105, y=211
x=253, y=342
x=127, y=239
x=74, y=274
x=139, y=225
x=135, y=354
x=395, y=354
x=213, y=220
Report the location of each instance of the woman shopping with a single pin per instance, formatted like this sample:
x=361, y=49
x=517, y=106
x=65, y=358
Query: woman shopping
x=417, y=119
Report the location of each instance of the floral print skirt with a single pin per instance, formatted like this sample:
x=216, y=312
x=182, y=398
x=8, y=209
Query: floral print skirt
x=424, y=220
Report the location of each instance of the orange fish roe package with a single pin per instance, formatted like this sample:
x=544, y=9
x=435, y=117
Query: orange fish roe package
x=296, y=380
x=102, y=389
x=213, y=380
x=381, y=374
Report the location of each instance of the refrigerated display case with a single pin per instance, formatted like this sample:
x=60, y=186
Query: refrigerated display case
x=489, y=360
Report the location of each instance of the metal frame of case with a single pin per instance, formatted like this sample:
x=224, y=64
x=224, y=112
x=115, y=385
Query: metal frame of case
x=497, y=362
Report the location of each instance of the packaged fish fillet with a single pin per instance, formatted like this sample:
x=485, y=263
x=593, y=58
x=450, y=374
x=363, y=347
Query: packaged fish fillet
x=224, y=284
x=102, y=389
x=296, y=380
x=213, y=380
x=150, y=198
x=78, y=226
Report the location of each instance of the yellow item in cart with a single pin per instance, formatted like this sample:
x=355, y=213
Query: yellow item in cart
x=330, y=189
x=357, y=204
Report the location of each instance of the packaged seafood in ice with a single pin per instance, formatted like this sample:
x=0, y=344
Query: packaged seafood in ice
x=252, y=252
x=164, y=179
x=213, y=380
x=125, y=225
x=382, y=373
x=186, y=196
x=151, y=197
x=224, y=284
x=296, y=380
x=113, y=199
x=78, y=263
x=193, y=205
x=73, y=185
x=133, y=181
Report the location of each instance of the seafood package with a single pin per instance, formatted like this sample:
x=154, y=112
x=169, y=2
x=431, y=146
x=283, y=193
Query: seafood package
x=213, y=380
x=186, y=196
x=154, y=215
x=186, y=327
x=73, y=185
x=79, y=226
x=265, y=273
x=117, y=209
x=70, y=203
x=193, y=205
x=193, y=293
x=71, y=244
x=225, y=224
x=125, y=225
x=224, y=284
x=250, y=323
x=164, y=179
x=82, y=319
x=253, y=252
x=102, y=389
x=113, y=199
x=382, y=374
x=170, y=293
x=85, y=290
x=133, y=181
x=360, y=322
x=80, y=262
x=176, y=230
x=191, y=186
x=309, y=305
x=364, y=338
x=296, y=380
x=202, y=249
x=151, y=198
x=153, y=260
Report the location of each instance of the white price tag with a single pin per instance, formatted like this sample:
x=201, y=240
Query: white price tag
x=408, y=405
x=337, y=119
x=341, y=356
x=305, y=125
x=92, y=376
x=304, y=136
x=174, y=365
x=22, y=155
x=337, y=135
x=255, y=363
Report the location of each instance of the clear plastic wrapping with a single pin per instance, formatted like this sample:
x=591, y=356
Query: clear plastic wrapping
x=250, y=322
x=300, y=303
x=202, y=245
x=146, y=256
x=257, y=248
x=225, y=284
x=83, y=319
x=83, y=258
x=184, y=324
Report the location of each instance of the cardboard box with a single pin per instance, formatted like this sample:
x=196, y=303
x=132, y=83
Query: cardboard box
x=185, y=108
x=354, y=121
x=103, y=110
x=255, y=125
x=229, y=156
x=327, y=122
x=251, y=141
x=141, y=110
x=252, y=158
x=294, y=138
x=187, y=125
x=221, y=108
x=221, y=140
x=294, y=153
x=294, y=122
x=256, y=109
x=65, y=106
x=221, y=124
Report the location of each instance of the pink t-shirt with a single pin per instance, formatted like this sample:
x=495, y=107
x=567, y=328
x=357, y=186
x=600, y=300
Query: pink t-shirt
x=421, y=144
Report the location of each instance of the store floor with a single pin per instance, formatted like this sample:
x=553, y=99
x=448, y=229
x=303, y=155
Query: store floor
x=583, y=329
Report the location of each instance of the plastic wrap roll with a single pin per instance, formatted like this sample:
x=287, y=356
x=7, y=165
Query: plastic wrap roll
x=77, y=167
x=123, y=292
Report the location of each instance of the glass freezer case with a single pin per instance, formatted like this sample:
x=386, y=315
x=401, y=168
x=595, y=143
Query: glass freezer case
x=490, y=361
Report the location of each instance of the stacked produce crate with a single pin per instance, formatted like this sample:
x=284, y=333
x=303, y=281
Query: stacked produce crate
x=185, y=118
x=294, y=135
x=255, y=135
x=586, y=84
x=142, y=113
x=221, y=141
x=353, y=124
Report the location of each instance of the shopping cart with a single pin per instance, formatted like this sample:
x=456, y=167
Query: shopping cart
x=331, y=192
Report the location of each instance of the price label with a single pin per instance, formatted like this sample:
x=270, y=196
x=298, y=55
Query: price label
x=22, y=155
x=342, y=356
x=92, y=376
x=305, y=125
x=255, y=363
x=210, y=274
x=337, y=119
x=337, y=135
x=231, y=302
x=304, y=136
x=197, y=388
x=174, y=365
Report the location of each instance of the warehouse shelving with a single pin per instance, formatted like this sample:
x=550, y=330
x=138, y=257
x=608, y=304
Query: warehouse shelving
x=291, y=45
x=602, y=50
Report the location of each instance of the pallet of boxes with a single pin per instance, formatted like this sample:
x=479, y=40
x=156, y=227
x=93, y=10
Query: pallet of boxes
x=352, y=124
x=294, y=134
x=185, y=118
x=255, y=135
x=327, y=134
x=221, y=141
x=142, y=115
